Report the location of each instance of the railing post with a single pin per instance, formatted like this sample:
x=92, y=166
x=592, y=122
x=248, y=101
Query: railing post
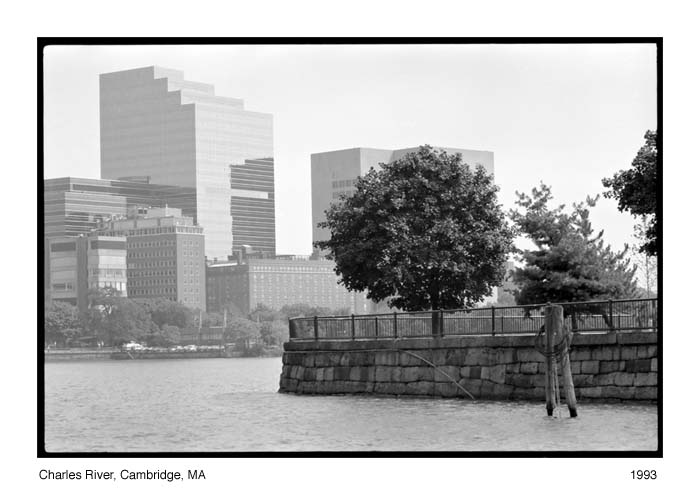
x=610, y=307
x=396, y=326
x=493, y=320
x=376, y=327
x=442, y=323
x=352, y=326
x=315, y=327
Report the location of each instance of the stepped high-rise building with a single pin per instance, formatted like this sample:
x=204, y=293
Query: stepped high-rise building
x=155, y=123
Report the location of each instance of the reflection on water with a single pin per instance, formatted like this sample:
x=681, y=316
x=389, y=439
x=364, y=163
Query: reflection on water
x=206, y=405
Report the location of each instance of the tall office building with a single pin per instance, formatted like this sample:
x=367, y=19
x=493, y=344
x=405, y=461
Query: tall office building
x=334, y=173
x=164, y=254
x=75, y=206
x=155, y=123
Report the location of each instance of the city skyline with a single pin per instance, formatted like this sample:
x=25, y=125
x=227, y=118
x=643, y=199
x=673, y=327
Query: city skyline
x=568, y=115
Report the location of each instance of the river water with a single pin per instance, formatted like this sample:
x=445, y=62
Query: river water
x=232, y=405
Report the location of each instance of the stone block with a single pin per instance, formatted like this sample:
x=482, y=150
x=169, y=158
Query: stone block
x=645, y=393
x=321, y=360
x=579, y=354
x=361, y=358
x=447, y=390
x=652, y=351
x=520, y=381
x=541, y=368
x=286, y=370
x=507, y=355
x=345, y=359
x=609, y=366
x=512, y=368
x=645, y=379
x=628, y=352
x=590, y=367
x=584, y=380
x=475, y=372
x=334, y=358
x=309, y=360
x=306, y=387
x=602, y=354
x=503, y=391
x=341, y=373
x=496, y=374
x=638, y=365
x=455, y=357
x=605, y=379
x=590, y=392
x=623, y=379
x=384, y=373
x=575, y=367
x=328, y=374
x=639, y=337
x=309, y=374
x=451, y=371
x=526, y=355
x=471, y=385
x=288, y=385
x=319, y=374
x=420, y=388
x=293, y=358
x=487, y=390
x=654, y=364
x=529, y=368
x=408, y=360
x=386, y=388
x=471, y=357
x=438, y=357
x=386, y=358
x=416, y=373
x=613, y=392
x=359, y=373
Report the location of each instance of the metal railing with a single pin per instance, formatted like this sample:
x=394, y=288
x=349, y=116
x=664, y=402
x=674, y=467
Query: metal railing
x=589, y=316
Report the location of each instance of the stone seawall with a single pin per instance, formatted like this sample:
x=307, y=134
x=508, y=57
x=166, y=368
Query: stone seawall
x=604, y=366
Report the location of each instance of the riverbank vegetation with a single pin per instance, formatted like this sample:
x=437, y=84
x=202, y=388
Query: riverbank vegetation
x=111, y=320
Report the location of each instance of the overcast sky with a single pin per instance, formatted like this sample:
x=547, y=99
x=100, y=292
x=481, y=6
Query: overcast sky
x=567, y=115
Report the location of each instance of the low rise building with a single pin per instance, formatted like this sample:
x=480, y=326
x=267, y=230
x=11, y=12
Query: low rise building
x=75, y=265
x=277, y=282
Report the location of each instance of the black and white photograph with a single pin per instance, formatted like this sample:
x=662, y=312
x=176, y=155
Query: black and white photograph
x=350, y=247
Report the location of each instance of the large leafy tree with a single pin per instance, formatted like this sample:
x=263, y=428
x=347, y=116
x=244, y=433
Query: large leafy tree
x=570, y=262
x=61, y=323
x=116, y=319
x=425, y=232
x=635, y=190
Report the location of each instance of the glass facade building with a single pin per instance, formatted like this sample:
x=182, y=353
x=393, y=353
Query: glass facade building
x=75, y=206
x=253, y=205
x=154, y=122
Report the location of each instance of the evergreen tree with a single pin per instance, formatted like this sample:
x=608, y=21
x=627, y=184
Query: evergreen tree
x=569, y=263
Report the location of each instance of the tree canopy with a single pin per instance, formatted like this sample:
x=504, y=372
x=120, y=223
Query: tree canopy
x=635, y=190
x=425, y=232
x=569, y=262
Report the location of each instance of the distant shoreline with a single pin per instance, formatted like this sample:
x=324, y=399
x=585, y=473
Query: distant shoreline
x=58, y=355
